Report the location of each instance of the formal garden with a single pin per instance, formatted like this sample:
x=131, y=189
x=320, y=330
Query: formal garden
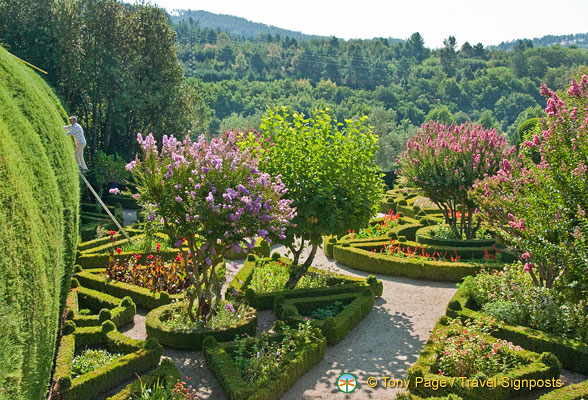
x=282, y=261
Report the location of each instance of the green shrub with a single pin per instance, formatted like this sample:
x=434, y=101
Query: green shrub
x=296, y=363
x=138, y=356
x=192, y=338
x=39, y=197
x=165, y=372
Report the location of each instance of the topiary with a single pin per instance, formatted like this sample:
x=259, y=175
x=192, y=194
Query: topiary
x=39, y=197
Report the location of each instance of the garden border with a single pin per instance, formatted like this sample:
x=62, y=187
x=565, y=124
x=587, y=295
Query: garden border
x=333, y=328
x=235, y=387
x=265, y=301
x=119, y=311
x=141, y=356
x=572, y=354
x=192, y=339
x=542, y=366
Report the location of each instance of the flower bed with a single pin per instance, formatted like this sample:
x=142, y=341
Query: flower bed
x=573, y=354
x=94, y=279
x=338, y=284
x=362, y=257
x=138, y=356
x=298, y=353
x=100, y=307
x=334, y=327
x=192, y=338
x=424, y=236
x=466, y=362
x=165, y=373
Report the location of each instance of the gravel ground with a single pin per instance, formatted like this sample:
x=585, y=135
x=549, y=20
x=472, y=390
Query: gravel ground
x=384, y=344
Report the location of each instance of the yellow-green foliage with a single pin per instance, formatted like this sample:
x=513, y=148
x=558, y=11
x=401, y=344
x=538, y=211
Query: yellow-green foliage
x=39, y=201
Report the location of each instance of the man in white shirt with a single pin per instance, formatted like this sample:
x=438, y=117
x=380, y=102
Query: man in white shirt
x=77, y=132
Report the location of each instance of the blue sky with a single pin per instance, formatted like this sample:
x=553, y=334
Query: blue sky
x=489, y=22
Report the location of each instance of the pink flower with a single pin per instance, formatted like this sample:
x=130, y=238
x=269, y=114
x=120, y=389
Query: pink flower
x=528, y=267
x=526, y=256
x=114, y=191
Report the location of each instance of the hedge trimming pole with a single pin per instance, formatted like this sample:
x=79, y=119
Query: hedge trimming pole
x=105, y=208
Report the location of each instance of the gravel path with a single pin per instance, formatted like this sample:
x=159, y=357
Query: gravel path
x=384, y=344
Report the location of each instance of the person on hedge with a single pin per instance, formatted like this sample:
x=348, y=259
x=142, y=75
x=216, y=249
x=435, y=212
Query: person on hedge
x=77, y=132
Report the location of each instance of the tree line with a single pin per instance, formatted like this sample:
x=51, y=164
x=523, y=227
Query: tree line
x=113, y=65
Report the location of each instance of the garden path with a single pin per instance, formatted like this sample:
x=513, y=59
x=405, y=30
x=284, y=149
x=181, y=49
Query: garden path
x=384, y=344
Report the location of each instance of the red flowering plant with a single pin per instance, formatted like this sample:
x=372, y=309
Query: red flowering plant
x=152, y=273
x=540, y=209
x=444, y=161
x=212, y=195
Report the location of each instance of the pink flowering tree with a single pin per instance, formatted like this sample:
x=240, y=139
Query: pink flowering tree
x=444, y=161
x=211, y=196
x=540, y=209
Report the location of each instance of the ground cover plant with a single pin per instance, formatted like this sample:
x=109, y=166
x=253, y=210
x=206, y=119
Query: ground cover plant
x=327, y=311
x=91, y=359
x=212, y=190
x=510, y=295
x=463, y=350
x=225, y=315
x=260, y=358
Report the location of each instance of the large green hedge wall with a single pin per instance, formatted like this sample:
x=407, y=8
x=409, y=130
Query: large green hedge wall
x=39, y=207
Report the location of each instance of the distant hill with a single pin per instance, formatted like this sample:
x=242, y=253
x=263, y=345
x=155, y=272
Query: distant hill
x=234, y=25
x=580, y=40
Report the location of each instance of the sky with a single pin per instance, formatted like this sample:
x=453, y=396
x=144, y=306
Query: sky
x=489, y=22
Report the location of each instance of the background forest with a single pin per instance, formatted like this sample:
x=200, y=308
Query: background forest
x=125, y=69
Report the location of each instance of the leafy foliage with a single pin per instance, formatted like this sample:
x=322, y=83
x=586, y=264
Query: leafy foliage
x=328, y=311
x=464, y=350
x=510, y=296
x=39, y=222
x=92, y=359
x=329, y=170
x=444, y=161
x=209, y=190
x=539, y=209
x=154, y=273
x=264, y=358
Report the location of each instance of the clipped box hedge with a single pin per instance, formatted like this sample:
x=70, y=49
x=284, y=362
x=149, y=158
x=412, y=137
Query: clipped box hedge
x=105, y=307
x=543, y=366
x=141, y=296
x=192, y=338
x=165, y=373
x=298, y=363
x=141, y=356
x=423, y=236
x=83, y=246
x=357, y=306
x=572, y=354
x=265, y=301
x=369, y=261
x=578, y=391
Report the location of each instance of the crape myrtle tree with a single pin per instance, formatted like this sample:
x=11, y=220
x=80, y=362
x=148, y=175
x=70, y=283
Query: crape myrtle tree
x=540, y=207
x=444, y=161
x=211, y=195
x=330, y=172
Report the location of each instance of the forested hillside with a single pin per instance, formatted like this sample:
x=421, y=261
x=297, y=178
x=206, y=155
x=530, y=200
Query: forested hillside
x=578, y=40
x=399, y=85
x=232, y=24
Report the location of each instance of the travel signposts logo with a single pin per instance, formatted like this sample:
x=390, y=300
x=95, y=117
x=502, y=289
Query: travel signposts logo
x=347, y=383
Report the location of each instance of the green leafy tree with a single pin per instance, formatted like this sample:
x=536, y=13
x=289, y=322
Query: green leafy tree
x=329, y=170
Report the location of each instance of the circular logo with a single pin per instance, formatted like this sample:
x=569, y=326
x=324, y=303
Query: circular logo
x=347, y=383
